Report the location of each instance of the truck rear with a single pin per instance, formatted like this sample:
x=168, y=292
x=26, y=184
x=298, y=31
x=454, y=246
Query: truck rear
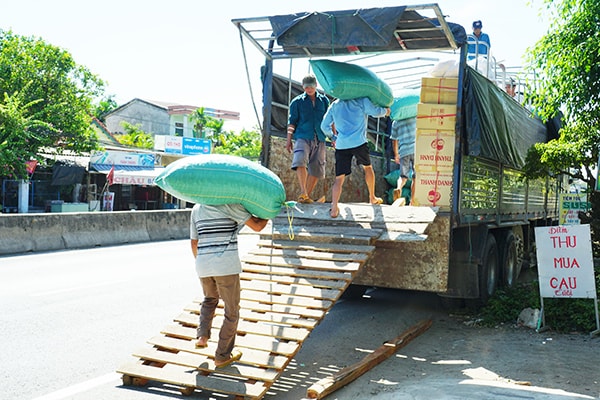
x=471, y=143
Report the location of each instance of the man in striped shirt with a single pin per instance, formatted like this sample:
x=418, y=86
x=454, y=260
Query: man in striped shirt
x=214, y=241
x=403, y=137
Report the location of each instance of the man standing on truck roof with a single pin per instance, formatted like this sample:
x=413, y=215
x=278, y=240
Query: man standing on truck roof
x=304, y=126
x=481, y=45
x=345, y=122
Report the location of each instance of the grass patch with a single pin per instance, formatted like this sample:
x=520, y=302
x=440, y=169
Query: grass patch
x=562, y=315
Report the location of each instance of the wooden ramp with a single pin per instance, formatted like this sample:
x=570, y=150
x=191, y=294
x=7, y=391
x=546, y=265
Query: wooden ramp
x=288, y=286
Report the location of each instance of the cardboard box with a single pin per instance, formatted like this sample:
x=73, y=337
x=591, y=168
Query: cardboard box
x=436, y=116
x=439, y=90
x=433, y=189
x=434, y=150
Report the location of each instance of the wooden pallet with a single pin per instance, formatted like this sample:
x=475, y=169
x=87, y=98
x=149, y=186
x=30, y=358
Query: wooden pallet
x=288, y=286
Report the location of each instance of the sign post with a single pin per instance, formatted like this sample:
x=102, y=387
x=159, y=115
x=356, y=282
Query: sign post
x=565, y=265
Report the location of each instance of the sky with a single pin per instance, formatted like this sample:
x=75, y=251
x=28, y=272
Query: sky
x=189, y=51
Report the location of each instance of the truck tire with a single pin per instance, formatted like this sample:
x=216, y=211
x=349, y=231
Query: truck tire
x=488, y=270
x=510, y=265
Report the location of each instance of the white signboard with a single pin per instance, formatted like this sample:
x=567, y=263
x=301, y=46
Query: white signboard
x=570, y=206
x=182, y=145
x=111, y=158
x=565, y=263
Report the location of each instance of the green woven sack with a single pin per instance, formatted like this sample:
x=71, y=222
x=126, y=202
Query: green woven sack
x=224, y=179
x=405, y=104
x=349, y=81
x=392, y=178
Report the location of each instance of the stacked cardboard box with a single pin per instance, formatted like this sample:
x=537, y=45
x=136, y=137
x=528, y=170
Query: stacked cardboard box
x=435, y=142
x=439, y=90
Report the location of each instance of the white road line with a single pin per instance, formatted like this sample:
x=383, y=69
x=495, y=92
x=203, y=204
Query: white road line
x=74, y=289
x=81, y=387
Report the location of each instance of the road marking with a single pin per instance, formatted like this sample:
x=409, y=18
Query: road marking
x=80, y=387
x=74, y=289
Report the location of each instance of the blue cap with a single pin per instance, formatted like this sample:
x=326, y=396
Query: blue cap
x=477, y=25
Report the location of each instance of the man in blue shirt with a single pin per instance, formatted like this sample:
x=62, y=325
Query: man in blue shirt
x=304, y=125
x=479, y=42
x=346, y=124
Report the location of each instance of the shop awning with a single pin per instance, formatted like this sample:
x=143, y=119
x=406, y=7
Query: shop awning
x=130, y=175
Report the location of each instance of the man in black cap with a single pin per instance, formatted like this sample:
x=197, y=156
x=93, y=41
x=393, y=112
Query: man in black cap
x=479, y=42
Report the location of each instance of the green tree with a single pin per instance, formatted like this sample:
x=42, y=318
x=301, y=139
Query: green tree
x=245, y=144
x=52, y=90
x=202, y=122
x=567, y=64
x=18, y=131
x=104, y=106
x=135, y=137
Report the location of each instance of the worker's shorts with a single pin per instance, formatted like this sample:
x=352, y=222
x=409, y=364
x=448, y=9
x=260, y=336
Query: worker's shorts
x=311, y=155
x=407, y=166
x=343, y=159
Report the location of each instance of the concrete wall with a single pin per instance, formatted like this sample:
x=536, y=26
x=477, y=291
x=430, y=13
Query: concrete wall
x=21, y=233
x=153, y=119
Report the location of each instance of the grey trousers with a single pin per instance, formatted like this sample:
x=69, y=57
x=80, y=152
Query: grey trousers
x=226, y=288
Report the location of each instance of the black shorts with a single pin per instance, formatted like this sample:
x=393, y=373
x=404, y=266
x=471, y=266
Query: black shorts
x=343, y=159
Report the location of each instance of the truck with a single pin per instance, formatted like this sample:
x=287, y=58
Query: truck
x=470, y=178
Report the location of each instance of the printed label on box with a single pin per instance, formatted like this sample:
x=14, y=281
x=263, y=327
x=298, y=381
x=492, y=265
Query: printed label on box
x=436, y=116
x=434, y=150
x=433, y=189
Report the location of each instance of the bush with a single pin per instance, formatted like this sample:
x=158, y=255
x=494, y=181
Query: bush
x=507, y=303
x=562, y=315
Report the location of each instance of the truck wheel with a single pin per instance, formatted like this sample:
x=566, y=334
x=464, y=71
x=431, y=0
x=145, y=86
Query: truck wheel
x=511, y=267
x=489, y=268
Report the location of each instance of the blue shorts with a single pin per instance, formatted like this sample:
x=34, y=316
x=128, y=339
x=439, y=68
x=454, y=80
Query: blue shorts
x=407, y=166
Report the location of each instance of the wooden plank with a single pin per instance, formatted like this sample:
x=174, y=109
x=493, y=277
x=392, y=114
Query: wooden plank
x=352, y=213
x=295, y=262
x=258, y=316
x=258, y=342
x=330, y=384
x=273, y=329
x=250, y=356
x=291, y=289
x=205, y=364
x=182, y=376
x=282, y=308
x=320, y=237
x=287, y=300
x=299, y=245
x=297, y=272
x=286, y=279
x=311, y=254
x=345, y=231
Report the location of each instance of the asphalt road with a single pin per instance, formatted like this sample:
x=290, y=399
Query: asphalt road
x=69, y=319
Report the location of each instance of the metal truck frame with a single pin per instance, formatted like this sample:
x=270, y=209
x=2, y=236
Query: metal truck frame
x=484, y=235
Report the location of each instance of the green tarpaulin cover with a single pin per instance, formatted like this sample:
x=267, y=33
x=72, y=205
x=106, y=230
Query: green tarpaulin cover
x=497, y=127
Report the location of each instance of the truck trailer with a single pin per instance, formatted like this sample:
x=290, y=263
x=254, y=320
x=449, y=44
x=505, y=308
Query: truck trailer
x=472, y=143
